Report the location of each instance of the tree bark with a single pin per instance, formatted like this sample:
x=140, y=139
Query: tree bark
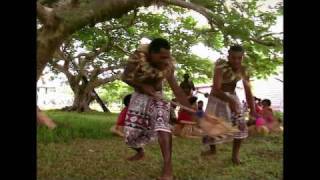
x=96, y=97
x=84, y=94
x=100, y=102
x=82, y=100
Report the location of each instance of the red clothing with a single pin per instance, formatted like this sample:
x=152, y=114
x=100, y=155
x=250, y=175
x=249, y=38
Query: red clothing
x=122, y=116
x=258, y=109
x=184, y=115
x=268, y=115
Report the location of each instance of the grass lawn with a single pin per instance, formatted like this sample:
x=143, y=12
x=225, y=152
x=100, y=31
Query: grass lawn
x=81, y=148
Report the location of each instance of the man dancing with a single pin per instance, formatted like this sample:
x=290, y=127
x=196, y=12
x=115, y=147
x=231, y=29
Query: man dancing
x=223, y=101
x=148, y=116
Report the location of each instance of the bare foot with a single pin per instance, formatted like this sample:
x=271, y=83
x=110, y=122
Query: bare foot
x=236, y=161
x=136, y=157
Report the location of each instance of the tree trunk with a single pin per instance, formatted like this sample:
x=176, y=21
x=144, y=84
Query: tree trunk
x=48, y=41
x=100, y=102
x=46, y=45
x=82, y=101
x=96, y=96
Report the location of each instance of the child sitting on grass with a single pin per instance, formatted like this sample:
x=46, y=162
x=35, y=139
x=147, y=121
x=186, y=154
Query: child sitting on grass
x=259, y=127
x=118, y=128
x=267, y=113
x=267, y=122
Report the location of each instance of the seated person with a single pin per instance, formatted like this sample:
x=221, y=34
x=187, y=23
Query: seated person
x=186, y=125
x=267, y=122
x=259, y=127
x=258, y=105
x=267, y=113
x=187, y=85
x=184, y=116
x=200, y=106
x=118, y=128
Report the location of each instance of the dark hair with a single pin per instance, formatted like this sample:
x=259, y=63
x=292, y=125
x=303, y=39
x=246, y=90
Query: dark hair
x=192, y=99
x=200, y=101
x=257, y=99
x=236, y=48
x=126, y=100
x=186, y=76
x=267, y=101
x=157, y=44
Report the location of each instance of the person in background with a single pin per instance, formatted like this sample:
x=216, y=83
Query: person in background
x=200, y=106
x=118, y=128
x=267, y=113
x=258, y=105
x=173, y=116
x=244, y=106
x=187, y=85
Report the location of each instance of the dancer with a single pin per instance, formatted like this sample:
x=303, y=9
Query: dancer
x=223, y=101
x=148, y=116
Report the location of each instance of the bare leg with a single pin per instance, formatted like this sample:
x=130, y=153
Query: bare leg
x=43, y=119
x=235, y=151
x=139, y=155
x=165, y=141
x=211, y=151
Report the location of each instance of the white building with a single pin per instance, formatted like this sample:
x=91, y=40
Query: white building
x=53, y=93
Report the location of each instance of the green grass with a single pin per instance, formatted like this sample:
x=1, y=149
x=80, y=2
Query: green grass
x=278, y=115
x=92, y=125
x=82, y=148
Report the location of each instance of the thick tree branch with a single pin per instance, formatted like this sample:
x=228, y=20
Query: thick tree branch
x=99, y=11
x=77, y=77
x=60, y=54
x=200, y=9
x=99, y=82
x=95, y=73
x=131, y=23
x=119, y=66
x=46, y=15
x=62, y=69
x=92, y=55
